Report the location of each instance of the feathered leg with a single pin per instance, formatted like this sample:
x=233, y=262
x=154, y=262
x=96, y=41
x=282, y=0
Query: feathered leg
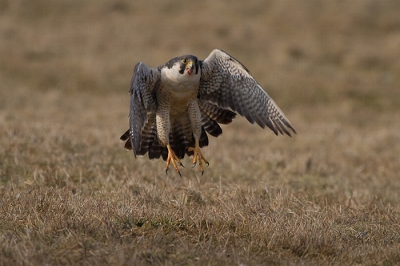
x=195, y=119
x=163, y=129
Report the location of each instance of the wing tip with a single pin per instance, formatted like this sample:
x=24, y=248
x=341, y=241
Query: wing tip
x=125, y=136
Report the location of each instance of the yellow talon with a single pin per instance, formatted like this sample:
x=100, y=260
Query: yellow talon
x=198, y=156
x=174, y=159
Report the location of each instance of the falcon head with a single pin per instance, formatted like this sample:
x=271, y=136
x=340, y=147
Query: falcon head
x=185, y=64
x=188, y=63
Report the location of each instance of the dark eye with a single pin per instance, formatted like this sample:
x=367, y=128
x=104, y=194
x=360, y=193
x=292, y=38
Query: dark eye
x=184, y=60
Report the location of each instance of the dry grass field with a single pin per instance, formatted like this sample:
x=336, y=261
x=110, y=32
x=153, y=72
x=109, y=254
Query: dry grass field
x=70, y=194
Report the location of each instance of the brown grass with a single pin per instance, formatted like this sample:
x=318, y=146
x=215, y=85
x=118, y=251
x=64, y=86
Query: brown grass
x=70, y=194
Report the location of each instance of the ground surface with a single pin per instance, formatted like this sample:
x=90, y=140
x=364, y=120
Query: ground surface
x=70, y=194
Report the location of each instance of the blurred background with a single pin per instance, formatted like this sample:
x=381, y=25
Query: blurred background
x=332, y=66
x=318, y=50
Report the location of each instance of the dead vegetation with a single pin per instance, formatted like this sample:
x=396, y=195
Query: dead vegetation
x=70, y=194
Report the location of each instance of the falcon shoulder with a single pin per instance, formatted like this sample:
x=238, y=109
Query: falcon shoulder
x=228, y=83
x=142, y=88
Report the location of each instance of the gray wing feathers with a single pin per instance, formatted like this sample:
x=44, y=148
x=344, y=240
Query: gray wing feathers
x=142, y=89
x=228, y=83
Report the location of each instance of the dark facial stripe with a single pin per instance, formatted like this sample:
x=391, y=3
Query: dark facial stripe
x=182, y=68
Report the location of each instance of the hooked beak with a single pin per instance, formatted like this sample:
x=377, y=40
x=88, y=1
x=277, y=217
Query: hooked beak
x=190, y=67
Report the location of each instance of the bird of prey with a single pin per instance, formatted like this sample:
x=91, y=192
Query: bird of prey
x=174, y=106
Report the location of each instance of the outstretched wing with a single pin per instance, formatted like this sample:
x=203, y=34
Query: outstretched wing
x=227, y=83
x=143, y=104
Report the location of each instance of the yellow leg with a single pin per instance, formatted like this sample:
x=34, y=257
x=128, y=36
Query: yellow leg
x=174, y=159
x=198, y=156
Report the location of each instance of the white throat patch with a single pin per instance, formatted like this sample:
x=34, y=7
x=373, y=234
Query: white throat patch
x=171, y=78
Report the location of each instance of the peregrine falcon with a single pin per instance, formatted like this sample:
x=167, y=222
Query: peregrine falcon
x=174, y=106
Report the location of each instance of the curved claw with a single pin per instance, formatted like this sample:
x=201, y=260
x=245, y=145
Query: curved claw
x=174, y=159
x=198, y=157
x=179, y=172
x=176, y=169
